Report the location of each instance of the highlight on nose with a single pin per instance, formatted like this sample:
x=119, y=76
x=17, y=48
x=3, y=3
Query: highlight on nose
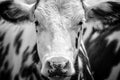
x=58, y=63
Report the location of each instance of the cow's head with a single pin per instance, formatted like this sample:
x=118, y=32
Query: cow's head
x=58, y=29
x=58, y=25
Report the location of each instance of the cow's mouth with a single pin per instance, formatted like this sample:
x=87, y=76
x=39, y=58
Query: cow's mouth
x=58, y=78
x=54, y=76
x=57, y=73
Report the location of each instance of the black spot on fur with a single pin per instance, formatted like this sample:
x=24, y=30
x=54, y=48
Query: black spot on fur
x=34, y=48
x=25, y=55
x=102, y=56
x=18, y=41
x=16, y=77
x=118, y=78
x=1, y=42
x=37, y=75
x=2, y=37
x=31, y=78
x=5, y=74
x=10, y=12
x=84, y=30
x=4, y=54
x=36, y=58
x=35, y=54
x=44, y=78
x=26, y=71
x=6, y=65
x=1, y=49
x=76, y=43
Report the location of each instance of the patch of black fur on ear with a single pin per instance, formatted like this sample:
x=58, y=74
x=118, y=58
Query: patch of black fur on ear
x=11, y=13
x=107, y=12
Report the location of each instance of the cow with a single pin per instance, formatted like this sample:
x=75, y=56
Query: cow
x=59, y=40
x=41, y=40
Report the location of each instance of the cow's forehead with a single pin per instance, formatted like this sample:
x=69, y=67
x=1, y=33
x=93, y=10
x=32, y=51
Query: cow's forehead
x=64, y=13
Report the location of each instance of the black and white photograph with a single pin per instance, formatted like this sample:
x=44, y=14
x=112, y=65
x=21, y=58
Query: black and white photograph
x=59, y=39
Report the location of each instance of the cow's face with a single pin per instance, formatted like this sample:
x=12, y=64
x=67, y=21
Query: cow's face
x=57, y=30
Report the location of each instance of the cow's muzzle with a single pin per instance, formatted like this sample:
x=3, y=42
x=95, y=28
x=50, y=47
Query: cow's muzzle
x=57, y=67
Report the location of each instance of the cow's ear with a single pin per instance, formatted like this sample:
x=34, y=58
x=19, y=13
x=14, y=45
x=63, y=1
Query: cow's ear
x=16, y=11
x=107, y=12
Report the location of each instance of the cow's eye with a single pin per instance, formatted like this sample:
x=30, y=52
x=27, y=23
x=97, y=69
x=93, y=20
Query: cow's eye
x=39, y=27
x=37, y=23
x=80, y=23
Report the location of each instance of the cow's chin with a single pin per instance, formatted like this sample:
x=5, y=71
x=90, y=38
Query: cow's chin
x=53, y=76
x=59, y=78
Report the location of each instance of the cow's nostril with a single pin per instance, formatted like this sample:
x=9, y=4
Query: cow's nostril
x=49, y=65
x=60, y=65
x=66, y=65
